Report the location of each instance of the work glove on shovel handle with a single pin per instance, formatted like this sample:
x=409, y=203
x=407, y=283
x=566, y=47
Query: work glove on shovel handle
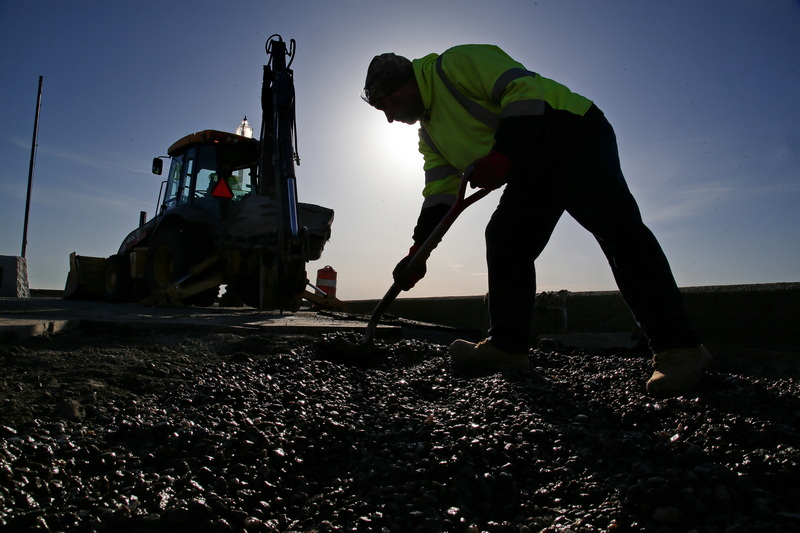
x=488, y=172
x=405, y=278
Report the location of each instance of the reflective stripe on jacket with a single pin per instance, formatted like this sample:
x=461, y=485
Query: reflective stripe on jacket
x=466, y=91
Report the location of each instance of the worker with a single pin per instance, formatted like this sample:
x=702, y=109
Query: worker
x=485, y=117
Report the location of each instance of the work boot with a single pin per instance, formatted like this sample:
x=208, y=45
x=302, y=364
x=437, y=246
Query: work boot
x=486, y=356
x=678, y=371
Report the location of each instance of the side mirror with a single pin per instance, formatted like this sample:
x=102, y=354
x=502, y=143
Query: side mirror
x=158, y=166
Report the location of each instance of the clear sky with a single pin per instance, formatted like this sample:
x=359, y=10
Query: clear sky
x=702, y=94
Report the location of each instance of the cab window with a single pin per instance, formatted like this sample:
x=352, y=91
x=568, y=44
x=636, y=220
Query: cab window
x=174, y=182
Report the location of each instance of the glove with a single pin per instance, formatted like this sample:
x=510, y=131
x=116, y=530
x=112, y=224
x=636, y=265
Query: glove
x=407, y=279
x=488, y=172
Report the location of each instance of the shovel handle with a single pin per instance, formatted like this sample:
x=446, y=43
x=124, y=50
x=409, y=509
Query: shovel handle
x=433, y=240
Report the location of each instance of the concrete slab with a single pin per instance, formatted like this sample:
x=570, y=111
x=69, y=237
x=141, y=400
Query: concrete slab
x=26, y=317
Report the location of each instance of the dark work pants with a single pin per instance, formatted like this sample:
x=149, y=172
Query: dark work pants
x=586, y=181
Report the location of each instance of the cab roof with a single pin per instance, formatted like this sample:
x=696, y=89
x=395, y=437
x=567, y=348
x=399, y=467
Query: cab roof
x=208, y=136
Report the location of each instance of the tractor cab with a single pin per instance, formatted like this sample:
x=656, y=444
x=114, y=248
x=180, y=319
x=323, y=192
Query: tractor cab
x=209, y=170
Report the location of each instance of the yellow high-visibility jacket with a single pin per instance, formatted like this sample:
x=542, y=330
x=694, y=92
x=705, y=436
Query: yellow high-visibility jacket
x=467, y=91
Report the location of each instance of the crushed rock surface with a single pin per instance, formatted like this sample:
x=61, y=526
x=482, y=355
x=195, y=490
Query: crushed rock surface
x=128, y=430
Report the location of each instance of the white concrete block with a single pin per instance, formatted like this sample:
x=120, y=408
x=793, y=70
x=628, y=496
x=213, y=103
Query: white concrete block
x=14, y=277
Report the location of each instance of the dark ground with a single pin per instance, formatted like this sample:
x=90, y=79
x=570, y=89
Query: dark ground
x=146, y=431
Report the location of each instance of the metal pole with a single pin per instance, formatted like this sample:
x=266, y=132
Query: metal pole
x=30, y=168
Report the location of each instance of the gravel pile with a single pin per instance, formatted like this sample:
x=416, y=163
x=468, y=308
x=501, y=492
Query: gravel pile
x=216, y=432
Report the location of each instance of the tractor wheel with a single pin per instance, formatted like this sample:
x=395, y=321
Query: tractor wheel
x=173, y=252
x=117, y=283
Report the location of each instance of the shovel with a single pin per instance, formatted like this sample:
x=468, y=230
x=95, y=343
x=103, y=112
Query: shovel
x=345, y=350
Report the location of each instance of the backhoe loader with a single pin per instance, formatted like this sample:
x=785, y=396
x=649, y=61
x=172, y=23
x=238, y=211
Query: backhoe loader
x=228, y=214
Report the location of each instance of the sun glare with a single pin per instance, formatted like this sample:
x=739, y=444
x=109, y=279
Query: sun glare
x=397, y=144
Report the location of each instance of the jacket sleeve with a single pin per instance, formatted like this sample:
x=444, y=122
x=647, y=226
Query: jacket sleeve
x=429, y=218
x=441, y=177
x=440, y=191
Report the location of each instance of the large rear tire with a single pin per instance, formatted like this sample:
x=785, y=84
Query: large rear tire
x=173, y=252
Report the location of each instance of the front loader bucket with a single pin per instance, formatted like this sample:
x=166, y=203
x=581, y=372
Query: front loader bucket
x=85, y=278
